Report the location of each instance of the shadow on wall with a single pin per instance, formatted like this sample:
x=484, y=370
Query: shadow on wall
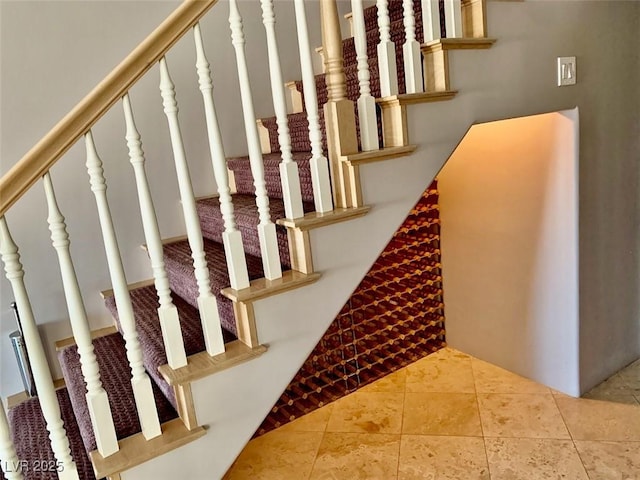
x=509, y=212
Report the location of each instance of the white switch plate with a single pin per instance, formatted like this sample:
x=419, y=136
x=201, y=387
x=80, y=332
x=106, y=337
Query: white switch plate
x=566, y=71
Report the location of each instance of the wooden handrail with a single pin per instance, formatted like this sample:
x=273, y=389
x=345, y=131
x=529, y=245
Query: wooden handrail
x=37, y=161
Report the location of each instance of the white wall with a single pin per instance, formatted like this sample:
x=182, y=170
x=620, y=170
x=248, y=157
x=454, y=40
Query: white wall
x=54, y=52
x=509, y=240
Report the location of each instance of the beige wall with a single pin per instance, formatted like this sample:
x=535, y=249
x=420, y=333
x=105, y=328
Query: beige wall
x=509, y=239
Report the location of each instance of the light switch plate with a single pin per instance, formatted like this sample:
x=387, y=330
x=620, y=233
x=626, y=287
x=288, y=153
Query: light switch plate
x=566, y=71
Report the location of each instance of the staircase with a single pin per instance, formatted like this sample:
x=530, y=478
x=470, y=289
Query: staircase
x=200, y=353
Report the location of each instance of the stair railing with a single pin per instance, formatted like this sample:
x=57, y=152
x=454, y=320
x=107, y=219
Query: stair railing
x=288, y=168
x=40, y=367
x=97, y=401
x=266, y=227
x=386, y=53
x=413, y=80
x=167, y=311
x=367, y=116
x=319, y=164
x=231, y=237
x=37, y=163
x=338, y=112
x=77, y=125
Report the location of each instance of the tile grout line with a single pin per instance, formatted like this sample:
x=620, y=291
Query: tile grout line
x=484, y=441
x=324, y=434
x=573, y=441
x=404, y=401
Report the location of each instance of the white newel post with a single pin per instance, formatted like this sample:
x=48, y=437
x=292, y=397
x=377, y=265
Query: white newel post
x=97, y=400
x=40, y=367
x=411, y=51
x=167, y=312
x=386, y=53
x=266, y=228
x=291, y=192
x=366, y=103
x=143, y=393
x=207, y=303
x=231, y=237
x=453, y=18
x=320, y=176
x=431, y=20
x=8, y=456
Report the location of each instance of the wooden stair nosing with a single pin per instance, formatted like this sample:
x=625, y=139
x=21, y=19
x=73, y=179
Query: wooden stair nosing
x=457, y=44
x=386, y=153
x=101, y=332
x=201, y=365
x=132, y=286
x=316, y=219
x=415, y=98
x=135, y=450
x=262, y=288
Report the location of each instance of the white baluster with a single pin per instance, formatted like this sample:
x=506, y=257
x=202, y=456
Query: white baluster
x=40, y=367
x=366, y=103
x=8, y=456
x=411, y=51
x=167, y=312
x=145, y=403
x=292, y=194
x=431, y=20
x=386, y=53
x=97, y=400
x=231, y=237
x=453, y=18
x=266, y=228
x=207, y=303
x=319, y=164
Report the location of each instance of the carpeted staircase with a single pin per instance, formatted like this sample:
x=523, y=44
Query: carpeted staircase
x=26, y=421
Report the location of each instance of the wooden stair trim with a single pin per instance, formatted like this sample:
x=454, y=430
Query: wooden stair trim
x=132, y=286
x=457, y=44
x=201, y=365
x=416, y=98
x=135, y=450
x=17, y=398
x=316, y=220
x=263, y=288
x=386, y=153
x=101, y=332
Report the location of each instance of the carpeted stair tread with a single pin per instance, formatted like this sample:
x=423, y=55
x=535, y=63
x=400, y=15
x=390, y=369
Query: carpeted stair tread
x=244, y=179
x=247, y=219
x=145, y=309
x=179, y=265
x=31, y=439
x=298, y=130
x=116, y=379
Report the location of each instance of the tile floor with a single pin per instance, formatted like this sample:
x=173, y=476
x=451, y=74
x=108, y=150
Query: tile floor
x=452, y=416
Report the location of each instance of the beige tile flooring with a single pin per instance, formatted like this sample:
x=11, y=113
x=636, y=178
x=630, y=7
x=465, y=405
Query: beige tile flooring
x=452, y=416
